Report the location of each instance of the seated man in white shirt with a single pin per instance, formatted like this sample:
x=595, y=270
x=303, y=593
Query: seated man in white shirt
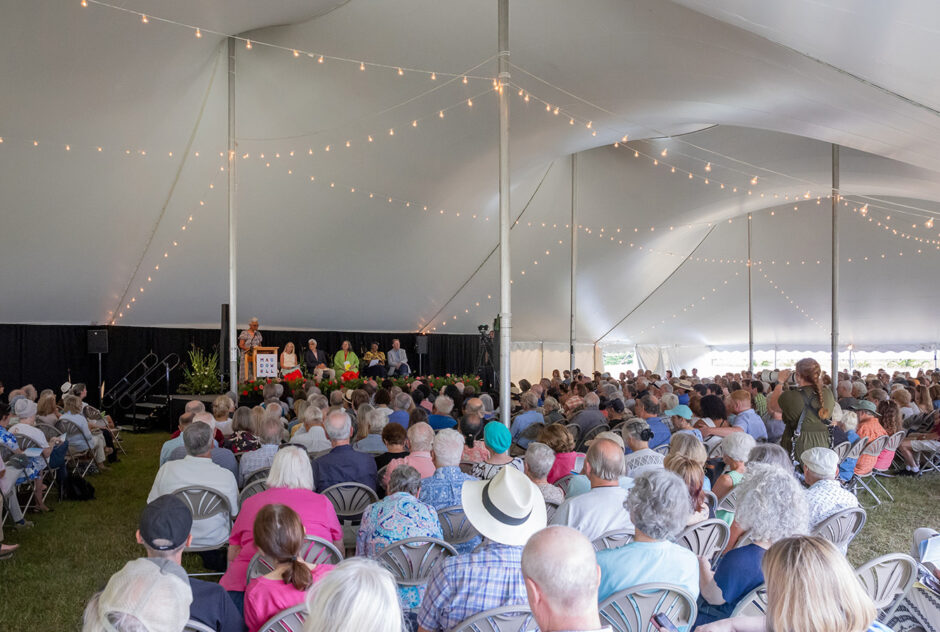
x=601, y=509
x=312, y=437
x=197, y=469
x=825, y=495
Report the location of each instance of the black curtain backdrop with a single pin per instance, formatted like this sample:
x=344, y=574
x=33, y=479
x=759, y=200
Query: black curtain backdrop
x=47, y=355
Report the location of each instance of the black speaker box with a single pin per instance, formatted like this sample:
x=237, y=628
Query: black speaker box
x=97, y=341
x=421, y=345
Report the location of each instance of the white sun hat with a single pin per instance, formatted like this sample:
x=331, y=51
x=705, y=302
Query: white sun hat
x=507, y=509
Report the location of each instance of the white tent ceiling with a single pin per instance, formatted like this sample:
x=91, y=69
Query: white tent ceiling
x=751, y=89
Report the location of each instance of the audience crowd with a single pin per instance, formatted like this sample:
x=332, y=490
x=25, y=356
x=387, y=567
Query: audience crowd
x=588, y=491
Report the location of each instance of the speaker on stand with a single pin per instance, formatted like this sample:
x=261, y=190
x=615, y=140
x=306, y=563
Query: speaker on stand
x=421, y=348
x=98, y=344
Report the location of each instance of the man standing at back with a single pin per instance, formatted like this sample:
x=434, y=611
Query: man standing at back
x=342, y=464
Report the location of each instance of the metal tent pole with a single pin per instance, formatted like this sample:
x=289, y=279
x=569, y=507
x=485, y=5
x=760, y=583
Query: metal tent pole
x=750, y=307
x=835, y=267
x=572, y=335
x=232, y=224
x=505, y=306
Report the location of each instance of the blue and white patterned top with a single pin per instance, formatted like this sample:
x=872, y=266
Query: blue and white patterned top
x=257, y=459
x=392, y=519
x=443, y=490
x=36, y=463
x=466, y=585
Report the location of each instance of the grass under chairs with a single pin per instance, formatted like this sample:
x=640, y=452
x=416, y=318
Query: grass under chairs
x=71, y=553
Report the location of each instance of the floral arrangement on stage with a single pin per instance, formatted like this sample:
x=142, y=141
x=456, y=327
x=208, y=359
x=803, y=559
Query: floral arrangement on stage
x=255, y=387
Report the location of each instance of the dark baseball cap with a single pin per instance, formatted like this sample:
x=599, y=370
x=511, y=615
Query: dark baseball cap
x=165, y=523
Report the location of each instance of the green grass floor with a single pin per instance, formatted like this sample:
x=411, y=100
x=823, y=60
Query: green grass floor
x=71, y=553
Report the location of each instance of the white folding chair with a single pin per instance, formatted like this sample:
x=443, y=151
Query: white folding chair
x=707, y=538
x=887, y=579
x=455, y=526
x=251, y=489
x=350, y=501
x=753, y=604
x=873, y=449
x=630, y=610
x=412, y=561
x=550, y=509
x=891, y=445
x=563, y=483
x=841, y=527
x=612, y=539
x=289, y=620
x=203, y=503
x=517, y=618
x=316, y=550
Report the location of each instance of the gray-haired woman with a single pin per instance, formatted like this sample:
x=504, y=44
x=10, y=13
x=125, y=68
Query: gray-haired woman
x=659, y=508
x=771, y=507
x=398, y=516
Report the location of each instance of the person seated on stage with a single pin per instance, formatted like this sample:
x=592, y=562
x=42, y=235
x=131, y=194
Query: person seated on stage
x=376, y=356
x=346, y=360
x=288, y=358
x=342, y=464
x=198, y=469
x=164, y=531
x=315, y=361
x=398, y=360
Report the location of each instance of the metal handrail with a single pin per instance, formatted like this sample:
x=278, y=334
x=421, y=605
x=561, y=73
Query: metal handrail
x=120, y=388
x=143, y=386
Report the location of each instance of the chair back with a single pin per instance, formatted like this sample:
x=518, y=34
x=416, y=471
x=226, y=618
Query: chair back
x=875, y=447
x=550, y=509
x=203, y=502
x=350, y=500
x=887, y=578
x=714, y=452
x=753, y=604
x=257, y=475
x=841, y=527
x=589, y=435
x=455, y=526
x=380, y=475
x=855, y=450
x=842, y=449
x=662, y=449
x=25, y=442
x=613, y=539
x=575, y=431
x=290, y=620
x=618, y=427
x=630, y=610
x=707, y=538
x=516, y=618
x=412, y=560
x=71, y=429
x=894, y=441
x=711, y=501
x=315, y=550
x=197, y=626
x=563, y=483
x=49, y=431
x=729, y=502
x=251, y=489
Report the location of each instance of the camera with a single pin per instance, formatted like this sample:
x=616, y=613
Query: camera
x=483, y=328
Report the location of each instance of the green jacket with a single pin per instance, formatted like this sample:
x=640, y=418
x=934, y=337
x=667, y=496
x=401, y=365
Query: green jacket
x=339, y=361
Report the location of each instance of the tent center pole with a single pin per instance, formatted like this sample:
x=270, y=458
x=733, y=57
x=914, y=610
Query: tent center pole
x=572, y=335
x=505, y=308
x=750, y=308
x=232, y=228
x=835, y=268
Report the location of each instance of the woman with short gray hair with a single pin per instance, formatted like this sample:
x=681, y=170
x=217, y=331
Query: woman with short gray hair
x=771, y=507
x=373, y=422
x=539, y=459
x=398, y=516
x=659, y=508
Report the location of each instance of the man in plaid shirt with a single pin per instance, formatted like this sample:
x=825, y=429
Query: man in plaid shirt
x=506, y=511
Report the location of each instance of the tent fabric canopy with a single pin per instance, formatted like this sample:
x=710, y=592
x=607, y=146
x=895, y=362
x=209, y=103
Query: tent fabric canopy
x=104, y=115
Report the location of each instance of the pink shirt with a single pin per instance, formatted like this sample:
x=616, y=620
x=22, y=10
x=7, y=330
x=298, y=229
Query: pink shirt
x=421, y=461
x=477, y=454
x=316, y=512
x=564, y=462
x=884, y=459
x=265, y=597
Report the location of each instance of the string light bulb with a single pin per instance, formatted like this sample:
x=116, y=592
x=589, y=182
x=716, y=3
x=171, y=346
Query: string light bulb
x=708, y=166
x=248, y=44
x=469, y=103
x=464, y=81
x=198, y=34
x=144, y=19
x=296, y=53
x=441, y=114
x=754, y=180
x=320, y=59
x=84, y=3
x=664, y=152
x=400, y=72
x=362, y=66
x=433, y=76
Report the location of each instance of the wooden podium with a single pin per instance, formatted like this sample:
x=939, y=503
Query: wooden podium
x=251, y=363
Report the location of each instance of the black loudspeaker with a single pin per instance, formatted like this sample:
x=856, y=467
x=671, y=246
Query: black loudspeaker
x=97, y=341
x=421, y=345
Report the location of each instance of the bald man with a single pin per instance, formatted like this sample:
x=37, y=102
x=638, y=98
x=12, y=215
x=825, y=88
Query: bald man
x=601, y=509
x=561, y=579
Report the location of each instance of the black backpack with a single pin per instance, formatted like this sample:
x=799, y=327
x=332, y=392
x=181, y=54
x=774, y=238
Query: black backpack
x=77, y=488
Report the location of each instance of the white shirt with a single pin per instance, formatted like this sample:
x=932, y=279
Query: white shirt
x=32, y=432
x=225, y=427
x=314, y=440
x=191, y=471
x=636, y=463
x=596, y=512
x=826, y=498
